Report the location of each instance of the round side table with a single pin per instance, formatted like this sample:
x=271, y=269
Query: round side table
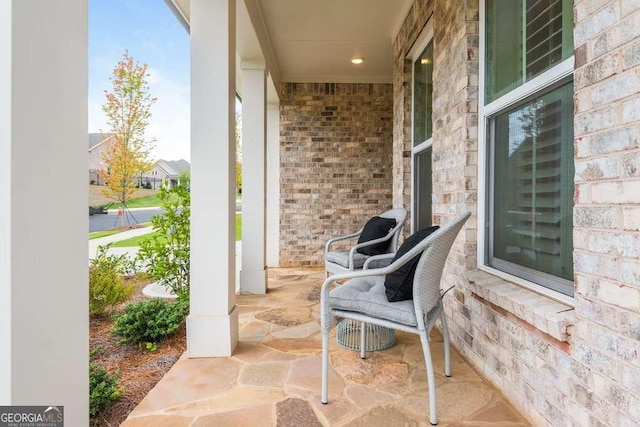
x=376, y=338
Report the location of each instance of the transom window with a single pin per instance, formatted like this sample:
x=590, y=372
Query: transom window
x=524, y=38
x=528, y=119
x=423, y=96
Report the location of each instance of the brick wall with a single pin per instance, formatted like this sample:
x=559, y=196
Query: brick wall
x=607, y=208
x=402, y=87
x=558, y=365
x=335, y=163
x=455, y=125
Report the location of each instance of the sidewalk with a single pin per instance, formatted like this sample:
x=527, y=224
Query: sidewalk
x=131, y=252
x=148, y=208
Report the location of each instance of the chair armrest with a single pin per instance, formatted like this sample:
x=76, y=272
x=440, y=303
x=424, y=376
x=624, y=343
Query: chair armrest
x=379, y=258
x=369, y=243
x=338, y=238
x=416, y=250
x=324, y=290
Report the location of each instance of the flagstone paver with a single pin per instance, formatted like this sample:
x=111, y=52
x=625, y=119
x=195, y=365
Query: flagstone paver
x=273, y=377
x=296, y=412
x=258, y=415
x=300, y=331
x=265, y=374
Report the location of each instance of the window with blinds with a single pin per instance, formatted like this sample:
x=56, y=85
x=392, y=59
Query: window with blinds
x=422, y=134
x=532, y=197
x=530, y=164
x=524, y=39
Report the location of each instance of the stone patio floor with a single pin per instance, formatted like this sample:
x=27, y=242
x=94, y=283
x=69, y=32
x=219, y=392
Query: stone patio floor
x=273, y=376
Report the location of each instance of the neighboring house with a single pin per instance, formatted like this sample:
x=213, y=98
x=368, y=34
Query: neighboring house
x=165, y=171
x=98, y=144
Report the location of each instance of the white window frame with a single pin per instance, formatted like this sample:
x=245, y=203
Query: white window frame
x=533, y=86
x=421, y=43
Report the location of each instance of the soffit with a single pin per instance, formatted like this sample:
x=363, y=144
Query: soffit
x=182, y=7
x=313, y=41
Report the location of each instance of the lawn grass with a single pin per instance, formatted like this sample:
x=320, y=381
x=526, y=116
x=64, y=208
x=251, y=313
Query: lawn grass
x=144, y=202
x=135, y=241
x=103, y=233
x=238, y=226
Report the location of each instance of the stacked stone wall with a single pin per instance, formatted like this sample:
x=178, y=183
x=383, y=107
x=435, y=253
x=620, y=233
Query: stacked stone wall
x=335, y=163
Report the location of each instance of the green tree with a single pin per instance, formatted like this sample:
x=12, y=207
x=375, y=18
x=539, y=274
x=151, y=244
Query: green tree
x=238, y=152
x=128, y=109
x=166, y=255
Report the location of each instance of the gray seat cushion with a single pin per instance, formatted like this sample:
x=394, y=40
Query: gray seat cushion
x=366, y=295
x=342, y=258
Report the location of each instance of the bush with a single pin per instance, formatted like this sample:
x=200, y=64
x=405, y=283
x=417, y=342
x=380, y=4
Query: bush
x=149, y=320
x=166, y=255
x=107, y=288
x=103, y=386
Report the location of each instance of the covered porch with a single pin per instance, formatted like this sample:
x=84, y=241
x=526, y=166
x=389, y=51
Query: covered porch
x=273, y=376
x=326, y=145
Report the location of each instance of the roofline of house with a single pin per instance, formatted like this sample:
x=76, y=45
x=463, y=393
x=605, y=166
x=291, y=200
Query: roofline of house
x=100, y=143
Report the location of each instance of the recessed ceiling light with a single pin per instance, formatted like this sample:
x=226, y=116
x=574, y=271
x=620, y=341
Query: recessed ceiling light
x=357, y=60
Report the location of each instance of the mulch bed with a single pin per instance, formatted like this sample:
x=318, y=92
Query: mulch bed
x=140, y=369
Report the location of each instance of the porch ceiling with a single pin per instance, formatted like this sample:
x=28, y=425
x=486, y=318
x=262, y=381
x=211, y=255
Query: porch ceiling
x=314, y=41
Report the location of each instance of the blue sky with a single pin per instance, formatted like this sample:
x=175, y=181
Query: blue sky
x=153, y=35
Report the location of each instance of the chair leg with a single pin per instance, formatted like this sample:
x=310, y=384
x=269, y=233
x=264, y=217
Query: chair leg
x=447, y=353
x=363, y=340
x=325, y=368
x=433, y=416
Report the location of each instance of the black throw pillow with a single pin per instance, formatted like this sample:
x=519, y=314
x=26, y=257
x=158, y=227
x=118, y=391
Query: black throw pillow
x=376, y=228
x=399, y=284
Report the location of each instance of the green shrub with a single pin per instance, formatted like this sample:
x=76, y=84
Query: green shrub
x=107, y=287
x=103, y=386
x=149, y=320
x=165, y=255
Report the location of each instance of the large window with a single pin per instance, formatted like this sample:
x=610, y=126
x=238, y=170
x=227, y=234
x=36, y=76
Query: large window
x=423, y=96
x=523, y=39
x=528, y=117
x=422, y=134
x=422, y=188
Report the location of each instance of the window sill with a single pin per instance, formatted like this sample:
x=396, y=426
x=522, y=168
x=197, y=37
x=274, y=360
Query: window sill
x=538, y=311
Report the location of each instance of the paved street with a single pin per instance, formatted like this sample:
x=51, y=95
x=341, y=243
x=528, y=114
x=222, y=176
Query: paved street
x=100, y=222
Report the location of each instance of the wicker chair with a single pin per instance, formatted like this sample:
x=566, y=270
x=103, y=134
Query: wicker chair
x=362, y=298
x=344, y=261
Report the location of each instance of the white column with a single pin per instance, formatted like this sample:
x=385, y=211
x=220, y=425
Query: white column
x=253, y=275
x=212, y=325
x=44, y=316
x=273, y=185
